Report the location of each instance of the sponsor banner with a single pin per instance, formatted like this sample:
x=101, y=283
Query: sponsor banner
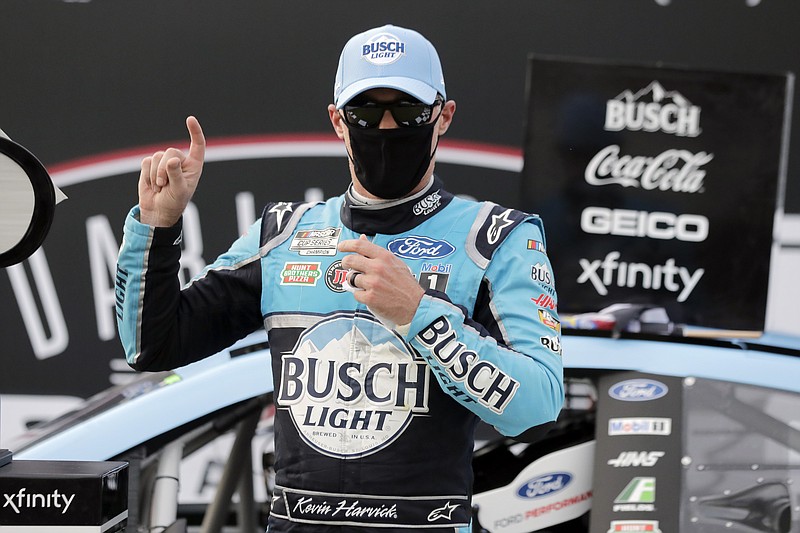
x=64, y=493
x=640, y=162
x=639, y=451
x=544, y=493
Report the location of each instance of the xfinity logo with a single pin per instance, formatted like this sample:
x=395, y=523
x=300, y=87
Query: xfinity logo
x=653, y=225
x=604, y=273
x=653, y=109
x=638, y=390
x=22, y=500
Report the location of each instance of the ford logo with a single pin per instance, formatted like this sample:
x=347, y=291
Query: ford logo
x=638, y=390
x=415, y=247
x=544, y=485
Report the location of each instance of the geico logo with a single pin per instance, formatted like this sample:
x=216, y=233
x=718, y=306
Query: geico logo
x=655, y=225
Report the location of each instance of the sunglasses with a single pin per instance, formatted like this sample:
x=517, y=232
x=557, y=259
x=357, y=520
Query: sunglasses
x=406, y=113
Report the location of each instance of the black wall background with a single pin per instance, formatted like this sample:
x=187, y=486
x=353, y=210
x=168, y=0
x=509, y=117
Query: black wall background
x=84, y=78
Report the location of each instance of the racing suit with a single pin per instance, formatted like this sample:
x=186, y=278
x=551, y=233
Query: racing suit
x=374, y=423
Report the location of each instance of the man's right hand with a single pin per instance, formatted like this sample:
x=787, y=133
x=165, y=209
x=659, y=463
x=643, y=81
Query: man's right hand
x=169, y=178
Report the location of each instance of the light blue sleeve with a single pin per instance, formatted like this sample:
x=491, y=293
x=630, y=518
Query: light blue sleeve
x=515, y=384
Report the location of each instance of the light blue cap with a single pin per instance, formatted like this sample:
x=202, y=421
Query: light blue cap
x=392, y=57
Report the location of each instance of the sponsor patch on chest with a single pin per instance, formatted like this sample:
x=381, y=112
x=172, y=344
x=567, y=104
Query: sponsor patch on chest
x=300, y=274
x=316, y=241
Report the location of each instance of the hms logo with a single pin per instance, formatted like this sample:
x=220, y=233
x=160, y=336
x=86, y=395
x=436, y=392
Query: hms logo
x=653, y=109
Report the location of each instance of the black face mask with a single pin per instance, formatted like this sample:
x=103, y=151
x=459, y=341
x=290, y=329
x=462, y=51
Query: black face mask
x=389, y=163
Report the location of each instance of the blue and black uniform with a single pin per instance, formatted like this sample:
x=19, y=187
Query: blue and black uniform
x=374, y=422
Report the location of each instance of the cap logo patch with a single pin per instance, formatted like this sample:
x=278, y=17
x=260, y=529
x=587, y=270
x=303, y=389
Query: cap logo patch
x=383, y=49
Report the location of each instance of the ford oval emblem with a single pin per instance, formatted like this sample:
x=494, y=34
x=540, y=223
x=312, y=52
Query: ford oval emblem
x=416, y=247
x=544, y=485
x=638, y=390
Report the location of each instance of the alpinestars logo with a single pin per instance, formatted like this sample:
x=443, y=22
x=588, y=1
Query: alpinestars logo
x=280, y=209
x=638, y=495
x=499, y=223
x=653, y=109
x=443, y=512
x=22, y=500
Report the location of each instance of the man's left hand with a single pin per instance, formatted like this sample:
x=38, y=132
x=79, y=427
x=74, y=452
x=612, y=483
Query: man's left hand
x=389, y=289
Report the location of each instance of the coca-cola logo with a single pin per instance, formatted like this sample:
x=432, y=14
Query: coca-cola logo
x=638, y=390
x=416, y=247
x=672, y=170
x=544, y=485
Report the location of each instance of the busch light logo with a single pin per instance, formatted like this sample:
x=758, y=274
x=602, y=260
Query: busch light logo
x=416, y=247
x=429, y=204
x=383, y=49
x=638, y=390
x=352, y=386
x=544, y=485
x=653, y=109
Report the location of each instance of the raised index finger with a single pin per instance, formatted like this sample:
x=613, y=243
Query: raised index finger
x=197, y=148
x=361, y=246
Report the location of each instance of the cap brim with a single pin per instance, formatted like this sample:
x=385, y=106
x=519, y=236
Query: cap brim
x=419, y=90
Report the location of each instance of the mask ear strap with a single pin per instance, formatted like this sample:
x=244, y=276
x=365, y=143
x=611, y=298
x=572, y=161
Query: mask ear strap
x=437, y=135
x=346, y=149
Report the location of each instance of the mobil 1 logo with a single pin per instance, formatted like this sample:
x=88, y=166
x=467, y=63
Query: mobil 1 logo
x=435, y=276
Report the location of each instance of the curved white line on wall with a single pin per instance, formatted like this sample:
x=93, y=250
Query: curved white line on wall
x=277, y=146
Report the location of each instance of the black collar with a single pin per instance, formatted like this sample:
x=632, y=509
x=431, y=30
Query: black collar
x=394, y=217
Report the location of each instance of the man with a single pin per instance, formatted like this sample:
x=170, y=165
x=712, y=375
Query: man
x=397, y=314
